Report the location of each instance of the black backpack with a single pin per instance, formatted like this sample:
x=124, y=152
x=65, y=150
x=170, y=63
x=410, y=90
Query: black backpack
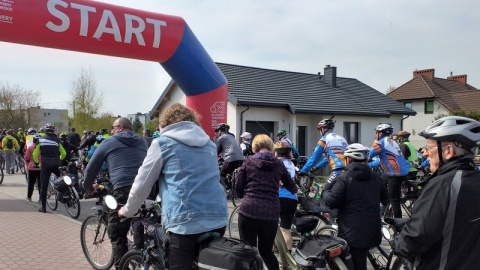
x=9, y=144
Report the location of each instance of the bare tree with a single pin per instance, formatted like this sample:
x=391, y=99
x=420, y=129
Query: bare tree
x=86, y=99
x=15, y=105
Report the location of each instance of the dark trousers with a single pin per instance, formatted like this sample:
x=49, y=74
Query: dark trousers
x=261, y=234
x=44, y=177
x=117, y=229
x=359, y=258
x=394, y=186
x=182, y=249
x=33, y=176
x=228, y=168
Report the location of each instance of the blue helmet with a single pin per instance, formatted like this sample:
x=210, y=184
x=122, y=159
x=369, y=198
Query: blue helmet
x=156, y=134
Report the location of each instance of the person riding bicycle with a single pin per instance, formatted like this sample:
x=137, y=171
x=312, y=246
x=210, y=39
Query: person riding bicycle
x=69, y=149
x=443, y=231
x=357, y=194
x=184, y=163
x=21, y=141
x=231, y=152
x=393, y=163
x=246, y=144
x=288, y=200
x=409, y=152
x=282, y=136
x=330, y=145
x=52, y=153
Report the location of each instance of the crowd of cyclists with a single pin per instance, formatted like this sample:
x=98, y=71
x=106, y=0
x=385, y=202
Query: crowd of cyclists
x=440, y=234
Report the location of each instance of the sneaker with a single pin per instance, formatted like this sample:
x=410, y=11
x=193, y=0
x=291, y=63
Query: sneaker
x=42, y=209
x=29, y=199
x=13, y=172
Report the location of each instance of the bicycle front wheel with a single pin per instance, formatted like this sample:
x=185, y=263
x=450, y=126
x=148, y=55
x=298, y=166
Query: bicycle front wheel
x=52, y=197
x=401, y=264
x=233, y=231
x=133, y=260
x=1, y=175
x=21, y=165
x=336, y=263
x=95, y=243
x=73, y=206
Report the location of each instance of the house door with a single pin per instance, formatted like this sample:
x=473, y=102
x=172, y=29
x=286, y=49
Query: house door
x=260, y=127
x=301, y=140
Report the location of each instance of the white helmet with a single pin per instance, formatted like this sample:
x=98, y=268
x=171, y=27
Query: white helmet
x=246, y=135
x=356, y=151
x=454, y=128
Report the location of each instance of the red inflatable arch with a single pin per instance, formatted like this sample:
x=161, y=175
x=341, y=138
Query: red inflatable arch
x=100, y=28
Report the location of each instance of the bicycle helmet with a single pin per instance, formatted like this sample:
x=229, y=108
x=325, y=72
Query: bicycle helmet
x=85, y=132
x=281, y=133
x=246, y=135
x=103, y=131
x=20, y=129
x=36, y=137
x=49, y=127
x=282, y=147
x=403, y=134
x=222, y=126
x=454, y=128
x=31, y=131
x=326, y=124
x=385, y=128
x=156, y=134
x=356, y=151
x=63, y=136
x=99, y=138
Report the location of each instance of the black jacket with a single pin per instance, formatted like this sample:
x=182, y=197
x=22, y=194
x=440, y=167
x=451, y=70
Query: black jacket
x=444, y=229
x=357, y=194
x=74, y=138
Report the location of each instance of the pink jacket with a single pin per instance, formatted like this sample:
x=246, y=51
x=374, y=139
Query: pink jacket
x=29, y=160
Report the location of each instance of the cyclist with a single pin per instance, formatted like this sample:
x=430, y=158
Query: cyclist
x=408, y=150
x=331, y=146
x=69, y=149
x=104, y=132
x=246, y=144
x=10, y=146
x=393, y=163
x=282, y=136
x=357, y=194
x=33, y=173
x=231, y=152
x=184, y=163
x=21, y=141
x=52, y=155
x=443, y=231
x=288, y=200
x=74, y=138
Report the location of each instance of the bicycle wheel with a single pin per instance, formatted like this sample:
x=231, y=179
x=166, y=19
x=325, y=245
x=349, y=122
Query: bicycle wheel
x=233, y=224
x=95, y=243
x=401, y=264
x=132, y=260
x=335, y=263
x=1, y=175
x=328, y=230
x=21, y=164
x=73, y=205
x=52, y=197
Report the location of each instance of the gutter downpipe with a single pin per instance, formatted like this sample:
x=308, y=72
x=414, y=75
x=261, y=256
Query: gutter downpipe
x=401, y=122
x=241, y=119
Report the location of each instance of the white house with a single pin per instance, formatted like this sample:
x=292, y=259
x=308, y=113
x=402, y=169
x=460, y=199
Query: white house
x=265, y=100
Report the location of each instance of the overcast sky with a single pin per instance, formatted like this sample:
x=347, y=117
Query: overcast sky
x=379, y=43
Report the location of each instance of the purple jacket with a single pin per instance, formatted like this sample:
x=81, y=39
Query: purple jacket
x=257, y=184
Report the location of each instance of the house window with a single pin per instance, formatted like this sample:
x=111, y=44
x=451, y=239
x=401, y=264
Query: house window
x=408, y=105
x=350, y=132
x=429, y=106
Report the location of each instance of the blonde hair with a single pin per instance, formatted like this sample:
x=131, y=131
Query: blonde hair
x=262, y=141
x=176, y=113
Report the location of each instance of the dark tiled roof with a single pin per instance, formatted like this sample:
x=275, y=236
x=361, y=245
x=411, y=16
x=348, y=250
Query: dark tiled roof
x=306, y=93
x=451, y=94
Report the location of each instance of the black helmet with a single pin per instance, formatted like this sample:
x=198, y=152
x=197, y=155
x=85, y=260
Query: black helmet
x=103, y=131
x=454, y=128
x=49, y=127
x=222, y=126
x=385, y=128
x=326, y=124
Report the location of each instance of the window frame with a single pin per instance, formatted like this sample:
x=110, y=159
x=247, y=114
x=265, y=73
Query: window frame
x=425, y=106
x=347, y=131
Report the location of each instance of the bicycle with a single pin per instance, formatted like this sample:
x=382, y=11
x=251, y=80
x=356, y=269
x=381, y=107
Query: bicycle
x=231, y=194
x=93, y=232
x=19, y=163
x=2, y=160
x=1, y=175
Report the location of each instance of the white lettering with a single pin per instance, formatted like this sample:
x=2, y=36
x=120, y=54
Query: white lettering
x=5, y=18
x=51, y=6
x=83, y=17
x=102, y=26
x=156, y=30
x=130, y=30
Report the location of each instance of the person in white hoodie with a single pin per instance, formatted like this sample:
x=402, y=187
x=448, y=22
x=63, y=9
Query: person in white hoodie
x=184, y=162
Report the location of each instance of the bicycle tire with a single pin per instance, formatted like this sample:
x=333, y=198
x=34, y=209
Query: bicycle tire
x=21, y=165
x=328, y=230
x=401, y=264
x=73, y=206
x=100, y=245
x=1, y=176
x=52, y=202
x=133, y=260
x=233, y=224
x=336, y=263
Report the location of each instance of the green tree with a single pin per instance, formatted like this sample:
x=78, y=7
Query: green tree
x=470, y=114
x=152, y=125
x=137, y=126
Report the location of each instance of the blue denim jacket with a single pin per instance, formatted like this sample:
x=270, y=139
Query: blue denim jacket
x=184, y=160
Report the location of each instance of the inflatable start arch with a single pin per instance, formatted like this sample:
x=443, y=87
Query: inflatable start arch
x=100, y=28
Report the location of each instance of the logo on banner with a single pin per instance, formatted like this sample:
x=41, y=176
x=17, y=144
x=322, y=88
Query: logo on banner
x=218, y=110
x=6, y=6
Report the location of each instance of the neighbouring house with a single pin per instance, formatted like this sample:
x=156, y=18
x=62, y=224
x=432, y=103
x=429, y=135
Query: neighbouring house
x=432, y=97
x=265, y=100
x=40, y=116
x=142, y=117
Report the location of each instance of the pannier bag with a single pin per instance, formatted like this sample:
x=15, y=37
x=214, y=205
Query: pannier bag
x=317, y=248
x=229, y=254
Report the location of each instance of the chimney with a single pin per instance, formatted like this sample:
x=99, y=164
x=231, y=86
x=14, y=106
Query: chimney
x=462, y=79
x=330, y=75
x=428, y=74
